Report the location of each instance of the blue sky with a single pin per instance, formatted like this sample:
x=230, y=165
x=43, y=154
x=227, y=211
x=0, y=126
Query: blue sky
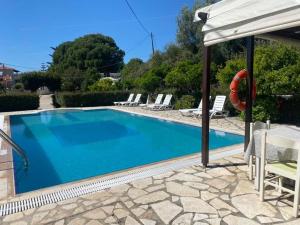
x=30, y=27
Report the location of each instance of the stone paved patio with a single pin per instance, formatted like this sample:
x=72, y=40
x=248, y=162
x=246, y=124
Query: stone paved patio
x=220, y=195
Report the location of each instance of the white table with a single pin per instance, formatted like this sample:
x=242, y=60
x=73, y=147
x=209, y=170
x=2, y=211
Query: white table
x=274, y=152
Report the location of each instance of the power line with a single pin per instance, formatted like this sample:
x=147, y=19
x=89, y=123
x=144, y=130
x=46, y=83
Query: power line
x=141, y=24
x=136, y=17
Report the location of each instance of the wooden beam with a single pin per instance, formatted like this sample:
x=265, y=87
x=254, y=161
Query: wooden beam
x=249, y=100
x=205, y=106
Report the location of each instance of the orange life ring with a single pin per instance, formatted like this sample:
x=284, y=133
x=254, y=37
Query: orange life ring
x=234, y=97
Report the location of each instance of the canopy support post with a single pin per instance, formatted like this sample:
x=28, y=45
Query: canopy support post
x=249, y=81
x=205, y=106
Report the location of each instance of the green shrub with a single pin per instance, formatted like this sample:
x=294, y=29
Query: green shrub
x=33, y=80
x=16, y=102
x=103, y=85
x=85, y=99
x=265, y=108
x=185, y=102
x=19, y=86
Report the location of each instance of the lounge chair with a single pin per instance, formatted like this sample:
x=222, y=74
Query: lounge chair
x=218, y=107
x=157, y=102
x=136, y=101
x=189, y=112
x=129, y=100
x=147, y=102
x=165, y=105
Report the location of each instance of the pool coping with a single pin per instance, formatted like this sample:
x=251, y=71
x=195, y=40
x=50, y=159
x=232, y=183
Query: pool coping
x=17, y=202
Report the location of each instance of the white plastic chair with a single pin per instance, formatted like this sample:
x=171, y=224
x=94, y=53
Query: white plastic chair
x=253, y=127
x=189, y=112
x=218, y=107
x=136, y=100
x=157, y=101
x=129, y=100
x=288, y=169
x=165, y=105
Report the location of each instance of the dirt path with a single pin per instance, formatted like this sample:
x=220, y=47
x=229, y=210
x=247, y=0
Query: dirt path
x=46, y=102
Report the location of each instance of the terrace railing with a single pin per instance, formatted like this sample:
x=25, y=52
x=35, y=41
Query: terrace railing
x=15, y=147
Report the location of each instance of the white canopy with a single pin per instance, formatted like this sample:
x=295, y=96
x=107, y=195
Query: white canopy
x=232, y=19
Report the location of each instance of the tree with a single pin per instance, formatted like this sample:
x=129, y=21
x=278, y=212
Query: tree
x=189, y=34
x=94, y=52
x=185, y=77
x=133, y=70
x=103, y=85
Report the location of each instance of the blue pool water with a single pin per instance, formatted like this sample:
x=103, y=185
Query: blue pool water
x=64, y=146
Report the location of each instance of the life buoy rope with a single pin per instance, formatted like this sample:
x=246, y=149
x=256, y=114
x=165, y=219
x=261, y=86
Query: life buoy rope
x=234, y=97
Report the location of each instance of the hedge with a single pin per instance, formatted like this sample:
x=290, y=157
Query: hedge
x=17, y=102
x=84, y=99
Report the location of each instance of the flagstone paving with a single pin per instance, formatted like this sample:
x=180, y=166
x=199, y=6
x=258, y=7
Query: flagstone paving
x=219, y=195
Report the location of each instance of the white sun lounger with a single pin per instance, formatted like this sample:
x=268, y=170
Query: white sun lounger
x=189, y=112
x=147, y=102
x=218, y=107
x=136, y=100
x=157, y=102
x=129, y=100
x=165, y=105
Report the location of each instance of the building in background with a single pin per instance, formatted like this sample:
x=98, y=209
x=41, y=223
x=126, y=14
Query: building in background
x=8, y=76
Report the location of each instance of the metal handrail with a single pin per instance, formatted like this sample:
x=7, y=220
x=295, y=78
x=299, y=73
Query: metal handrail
x=15, y=147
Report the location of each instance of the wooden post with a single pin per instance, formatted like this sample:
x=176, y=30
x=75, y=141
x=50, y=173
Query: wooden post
x=248, y=113
x=205, y=106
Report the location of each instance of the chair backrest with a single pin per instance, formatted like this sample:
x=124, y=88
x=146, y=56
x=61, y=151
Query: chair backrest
x=137, y=98
x=148, y=100
x=259, y=126
x=167, y=100
x=200, y=104
x=279, y=141
x=158, y=99
x=219, y=103
x=130, y=98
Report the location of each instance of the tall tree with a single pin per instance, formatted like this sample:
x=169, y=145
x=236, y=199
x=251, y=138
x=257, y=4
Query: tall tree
x=189, y=34
x=94, y=52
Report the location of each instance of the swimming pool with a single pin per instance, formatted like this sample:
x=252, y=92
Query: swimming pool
x=64, y=146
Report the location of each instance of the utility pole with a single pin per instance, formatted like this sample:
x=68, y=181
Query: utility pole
x=43, y=67
x=151, y=35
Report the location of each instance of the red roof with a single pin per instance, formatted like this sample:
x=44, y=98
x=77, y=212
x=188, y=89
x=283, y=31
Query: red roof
x=2, y=67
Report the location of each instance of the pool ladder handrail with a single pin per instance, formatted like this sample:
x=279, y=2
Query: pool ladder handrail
x=15, y=147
